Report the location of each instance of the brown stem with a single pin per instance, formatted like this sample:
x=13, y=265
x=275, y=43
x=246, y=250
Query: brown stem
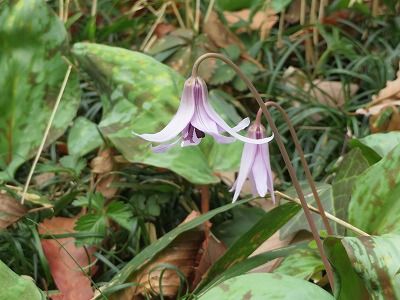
x=304, y=163
x=282, y=149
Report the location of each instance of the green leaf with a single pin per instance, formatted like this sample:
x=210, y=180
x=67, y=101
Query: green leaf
x=120, y=213
x=303, y=263
x=280, y=5
x=142, y=94
x=299, y=222
x=365, y=267
x=147, y=254
x=14, y=287
x=374, y=205
x=382, y=143
x=243, y=218
x=83, y=137
x=92, y=223
x=223, y=74
x=250, y=241
x=353, y=164
x=74, y=163
x=32, y=71
x=266, y=286
x=370, y=154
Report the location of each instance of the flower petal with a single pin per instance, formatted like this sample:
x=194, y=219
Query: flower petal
x=164, y=147
x=221, y=123
x=179, y=121
x=259, y=173
x=270, y=177
x=246, y=163
x=242, y=124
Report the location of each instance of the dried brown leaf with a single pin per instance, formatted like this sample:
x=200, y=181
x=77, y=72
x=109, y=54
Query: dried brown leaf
x=63, y=256
x=11, y=210
x=101, y=165
x=181, y=254
x=383, y=109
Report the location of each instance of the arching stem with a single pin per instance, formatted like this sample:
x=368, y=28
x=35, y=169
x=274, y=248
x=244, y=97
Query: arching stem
x=282, y=149
x=304, y=163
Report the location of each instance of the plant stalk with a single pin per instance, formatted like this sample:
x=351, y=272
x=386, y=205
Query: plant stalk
x=282, y=149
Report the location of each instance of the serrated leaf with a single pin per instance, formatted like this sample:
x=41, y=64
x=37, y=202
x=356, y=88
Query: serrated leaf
x=93, y=223
x=120, y=213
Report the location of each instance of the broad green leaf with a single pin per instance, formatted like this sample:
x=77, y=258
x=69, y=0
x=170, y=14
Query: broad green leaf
x=142, y=95
x=374, y=205
x=369, y=153
x=280, y=5
x=266, y=286
x=254, y=262
x=83, y=137
x=348, y=285
x=382, y=143
x=250, y=241
x=353, y=164
x=32, y=71
x=14, y=287
x=243, y=218
x=147, y=254
x=299, y=222
x=303, y=263
x=374, y=261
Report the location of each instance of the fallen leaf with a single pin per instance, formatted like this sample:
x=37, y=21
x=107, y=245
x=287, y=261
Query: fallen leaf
x=63, y=257
x=43, y=178
x=11, y=210
x=383, y=110
x=163, y=29
x=211, y=251
x=219, y=34
x=262, y=20
x=330, y=93
x=102, y=165
x=180, y=255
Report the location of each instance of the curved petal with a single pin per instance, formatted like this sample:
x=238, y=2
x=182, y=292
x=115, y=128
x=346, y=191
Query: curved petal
x=179, y=121
x=221, y=123
x=270, y=177
x=246, y=163
x=242, y=124
x=164, y=147
x=259, y=173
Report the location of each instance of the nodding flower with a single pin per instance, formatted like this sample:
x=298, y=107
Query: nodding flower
x=255, y=165
x=195, y=118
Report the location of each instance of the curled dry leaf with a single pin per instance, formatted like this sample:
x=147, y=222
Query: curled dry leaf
x=10, y=210
x=383, y=110
x=180, y=256
x=219, y=34
x=68, y=277
x=262, y=20
x=331, y=93
x=101, y=165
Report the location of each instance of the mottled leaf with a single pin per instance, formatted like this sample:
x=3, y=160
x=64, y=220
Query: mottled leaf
x=303, y=263
x=382, y=143
x=142, y=94
x=374, y=205
x=32, y=71
x=266, y=286
x=353, y=164
x=14, y=287
x=374, y=261
x=83, y=137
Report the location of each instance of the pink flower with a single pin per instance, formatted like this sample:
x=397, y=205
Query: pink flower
x=255, y=166
x=195, y=118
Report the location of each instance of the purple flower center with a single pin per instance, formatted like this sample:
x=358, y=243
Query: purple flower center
x=259, y=133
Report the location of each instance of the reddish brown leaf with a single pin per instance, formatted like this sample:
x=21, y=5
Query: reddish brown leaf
x=10, y=210
x=211, y=252
x=102, y=165
x=181, y=253
x=63, y=257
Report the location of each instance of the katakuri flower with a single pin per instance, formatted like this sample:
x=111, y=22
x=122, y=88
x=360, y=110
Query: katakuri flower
x=195, y=118
x=255, y=166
